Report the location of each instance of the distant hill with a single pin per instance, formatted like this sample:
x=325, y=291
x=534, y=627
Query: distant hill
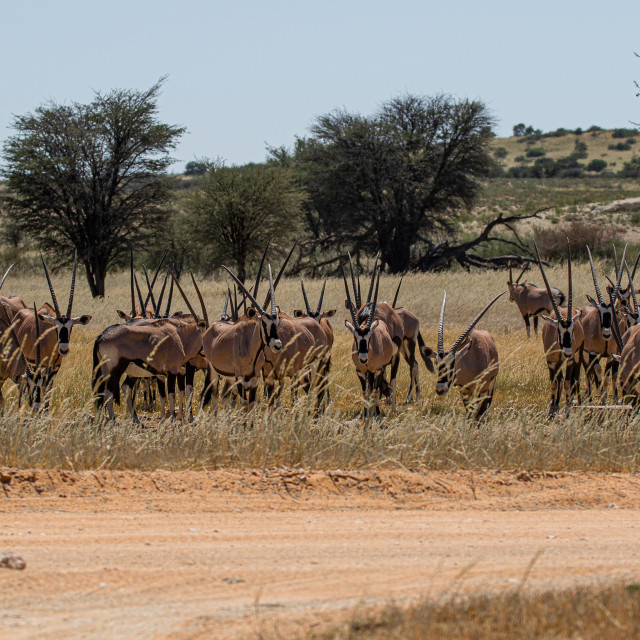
x=613, y=146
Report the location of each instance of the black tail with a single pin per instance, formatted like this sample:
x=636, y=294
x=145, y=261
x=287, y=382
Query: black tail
x=97, y=381
x=424, y=352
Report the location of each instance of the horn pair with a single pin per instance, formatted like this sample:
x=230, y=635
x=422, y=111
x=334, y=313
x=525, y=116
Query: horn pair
x=205, y=316
x=306, y=300
x=251, y=297
x=356, y=290
x=517, y=280
x=546, y=283
x=466, y=332
x=73, y=286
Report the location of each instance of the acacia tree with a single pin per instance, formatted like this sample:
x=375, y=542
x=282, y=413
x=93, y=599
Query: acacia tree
x=91, y=177
x=236, y=210
x=396, y=179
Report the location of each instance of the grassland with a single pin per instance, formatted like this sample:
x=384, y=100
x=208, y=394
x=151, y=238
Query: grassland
x=432, y=433
x=597, y=142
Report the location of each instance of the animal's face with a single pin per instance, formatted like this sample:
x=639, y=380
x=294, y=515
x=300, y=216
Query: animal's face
x=35, y=389
x=445, y=365
x=514, y=289
x=565, y=329
x=269, y=327
x=605, y=314
x=63, y=330
x=362, y=336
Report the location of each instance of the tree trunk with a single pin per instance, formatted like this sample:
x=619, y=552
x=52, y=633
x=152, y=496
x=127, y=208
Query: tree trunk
x=96, y=274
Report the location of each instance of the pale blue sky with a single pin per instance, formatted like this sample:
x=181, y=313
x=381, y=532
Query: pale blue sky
x=246, y=74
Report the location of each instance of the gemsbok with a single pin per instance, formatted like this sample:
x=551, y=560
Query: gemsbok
x=563, y=343
x=599, y=342
x=373, y=350
x=470, y=364
x=532, y=301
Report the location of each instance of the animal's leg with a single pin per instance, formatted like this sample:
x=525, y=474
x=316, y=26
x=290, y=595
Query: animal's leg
x=395, y=362
x=162, y=392
x=527, y=323
x=127, y=389
x=555, y=375
x=171, y=392
x=181, y=380
x=535, y=324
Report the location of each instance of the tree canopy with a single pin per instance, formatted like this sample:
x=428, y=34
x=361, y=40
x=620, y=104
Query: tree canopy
x=393, y=182
x=91, y=176
x=235, y=211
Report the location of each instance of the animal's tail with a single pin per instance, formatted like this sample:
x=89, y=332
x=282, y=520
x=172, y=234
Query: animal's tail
x=424, y=352
x=98, y=383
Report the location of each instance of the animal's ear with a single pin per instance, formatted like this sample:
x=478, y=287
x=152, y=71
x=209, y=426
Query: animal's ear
x=46, y=316
x=552, y=321
x=329, y=314
x=346, y=304
x=82, y=319
x=460, y=352
x=576, y=315
x=617, y=357
x=592, y=301
x=123, y=315
x=349, y=326
x=176, y=314
x=375, y=324
x=297, y=313
x=202, y=325
x=251, y=312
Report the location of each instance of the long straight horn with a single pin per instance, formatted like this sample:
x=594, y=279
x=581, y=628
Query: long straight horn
x=150, y=293
x=633, y=272
x=38, y=345
x=633, y=291
x=161, y=296
x=244, y=290
x=570, y=295
x=354, y=318
x=546, y=283
x=257, y=284
x=395, y=298
x=155, y=276
x=324, y=284
x=306, y=300
x=133, y=299
x=615, y=260
x=375, y=303
x=169, y=299
x=616, y=290
x=73, y=283
x=510, y=273
x=274, y=309
x=143, y=310
x=280, y=273
x=6, y=273
x=205, y=316
x=475, y=321
x=184, y=296
x=226, y=305
x=373, y=277
x=53, y=293
x=595, y=279
x=521, y=273
x=356, y=287
x=235, y=315
x=441, y=325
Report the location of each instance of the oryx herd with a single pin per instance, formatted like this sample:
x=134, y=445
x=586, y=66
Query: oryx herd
x=255, y=344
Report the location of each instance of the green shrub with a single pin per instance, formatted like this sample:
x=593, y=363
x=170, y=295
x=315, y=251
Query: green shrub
x=624, y=133
x=500, y=153
x=631, y=169
x=597, y=165
x=553, y=241
x=620, y=146
x=536, y=152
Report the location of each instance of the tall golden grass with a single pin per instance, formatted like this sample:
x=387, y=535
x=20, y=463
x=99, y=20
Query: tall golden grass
x=609, y=612
x=431, y=433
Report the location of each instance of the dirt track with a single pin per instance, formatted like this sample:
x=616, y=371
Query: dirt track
x=225, y=554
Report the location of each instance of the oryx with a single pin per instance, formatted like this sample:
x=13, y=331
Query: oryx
x=471, y=363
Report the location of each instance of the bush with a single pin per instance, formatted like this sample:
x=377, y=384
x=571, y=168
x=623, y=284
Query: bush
x=536, y=152
x=631, y=140
x=500, y=153
x=594, y=128
x=552, y=241
x=544, y=168
x=194, y=168
x=631, y=169
x=597, y=165
x=580, y=149
x=621, y=146
x=558, y=133
x=624, y=133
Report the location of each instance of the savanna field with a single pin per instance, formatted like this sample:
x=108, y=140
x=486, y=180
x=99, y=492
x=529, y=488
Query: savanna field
x=432, y=433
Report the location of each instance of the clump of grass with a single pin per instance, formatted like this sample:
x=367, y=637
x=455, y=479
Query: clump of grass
x=599, y=613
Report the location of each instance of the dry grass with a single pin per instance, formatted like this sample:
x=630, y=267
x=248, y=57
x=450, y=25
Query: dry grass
x=432, y=433
x=597, y=613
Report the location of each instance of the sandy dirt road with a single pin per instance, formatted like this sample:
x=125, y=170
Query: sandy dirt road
x=226, y=554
